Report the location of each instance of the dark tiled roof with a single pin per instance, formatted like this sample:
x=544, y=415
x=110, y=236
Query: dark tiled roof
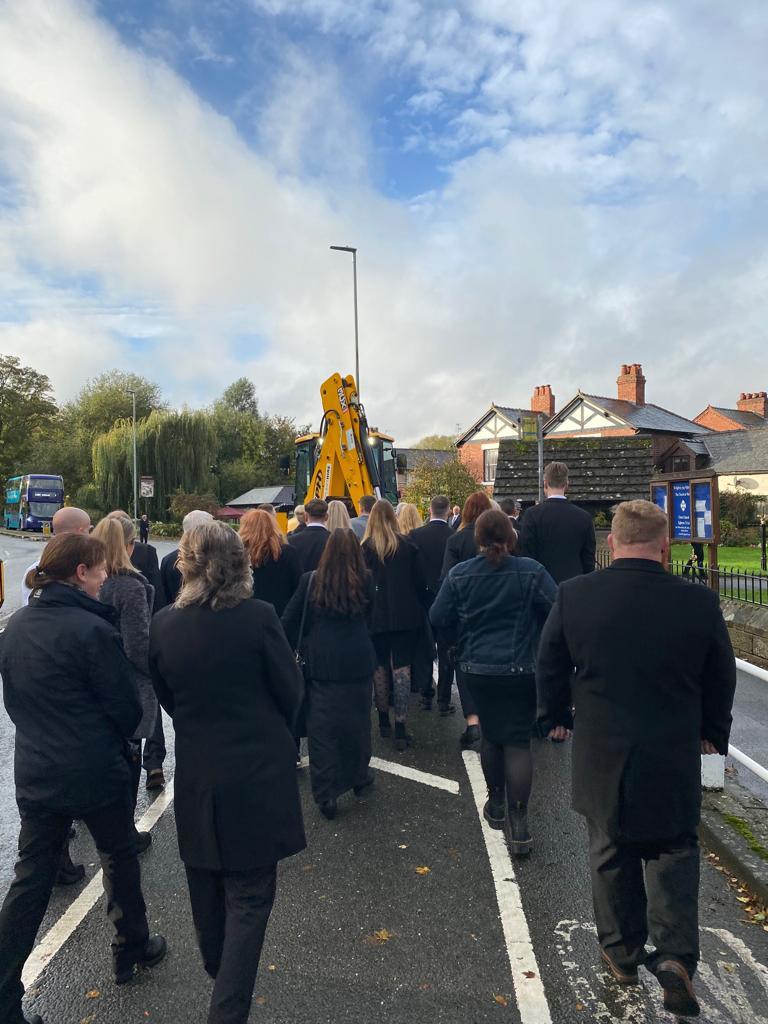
x=749, y=419
x=648, y=417
x=601, y=469
x=507, y=411
x=510, y=413
x=739, y=451
x=415, y=456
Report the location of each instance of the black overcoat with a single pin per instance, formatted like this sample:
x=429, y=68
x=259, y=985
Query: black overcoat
x=275, y=582
x=559, y=535
x=229, y=680
x=401, y=597
x=170, y=577
x=309, y=544
x=431, y=540
x=654, y=675
x=461, y=546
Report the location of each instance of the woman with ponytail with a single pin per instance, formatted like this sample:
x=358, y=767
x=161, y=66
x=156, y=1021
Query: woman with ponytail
x=498, y=603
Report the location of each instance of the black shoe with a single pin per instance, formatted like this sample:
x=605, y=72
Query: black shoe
x=494, y=809
x=447, y=709
x=623, y=977
x=153, y=953
x=328, y=809
x=155, y=779
x=402, y=739
x=143, y=841
x=370, y=778
x=679, y=997
x=70, y=874
x=518, y=835
x=385, y=728
x=426, y=703
x=470, y=736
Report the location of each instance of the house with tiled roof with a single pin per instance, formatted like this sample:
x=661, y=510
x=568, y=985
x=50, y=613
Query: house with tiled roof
x=739, y=459
x=751, y=411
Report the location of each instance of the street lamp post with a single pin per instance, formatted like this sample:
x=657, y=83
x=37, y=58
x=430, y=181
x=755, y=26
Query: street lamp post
x=132, y=393
x=353, y=250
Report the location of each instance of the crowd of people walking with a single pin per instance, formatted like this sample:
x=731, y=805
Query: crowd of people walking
x=252, y=641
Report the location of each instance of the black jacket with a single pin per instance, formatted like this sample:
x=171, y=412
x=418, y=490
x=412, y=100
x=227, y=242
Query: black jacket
x=309, y=544
x=561, y=536
x=276, y=582
x=655, y=675
x=69, y=690
x=336, y=647
x=497, y=611
x=461, y=546
x=170, y=577
x=431, y=540
x=144, y=558
x=229, y=680
x=400, y=589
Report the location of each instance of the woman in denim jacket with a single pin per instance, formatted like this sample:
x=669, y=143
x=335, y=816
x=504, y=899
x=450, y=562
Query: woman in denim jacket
x=498, y=604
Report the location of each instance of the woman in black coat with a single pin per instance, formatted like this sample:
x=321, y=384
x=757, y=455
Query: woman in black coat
x=69, y=690
x=400, y=600
x=340, y=661
x=224, y=671
x=275, y=566
x=460, y=548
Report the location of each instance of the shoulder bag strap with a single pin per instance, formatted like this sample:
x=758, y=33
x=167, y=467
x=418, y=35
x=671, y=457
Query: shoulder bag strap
x=304, y=613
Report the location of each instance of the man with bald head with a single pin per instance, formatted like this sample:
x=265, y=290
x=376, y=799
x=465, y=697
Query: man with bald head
x=66, y=520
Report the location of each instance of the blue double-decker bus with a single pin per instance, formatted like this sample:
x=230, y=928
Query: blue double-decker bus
x=31, y=500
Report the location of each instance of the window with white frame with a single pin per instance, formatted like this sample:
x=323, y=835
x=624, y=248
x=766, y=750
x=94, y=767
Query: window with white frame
x=490, y=458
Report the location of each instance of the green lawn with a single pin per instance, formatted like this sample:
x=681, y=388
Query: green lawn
x=728, y=558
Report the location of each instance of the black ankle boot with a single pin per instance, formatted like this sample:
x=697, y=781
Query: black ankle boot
x=493, y=812
x=385, y=729
x=402, y=739
x=518, y=834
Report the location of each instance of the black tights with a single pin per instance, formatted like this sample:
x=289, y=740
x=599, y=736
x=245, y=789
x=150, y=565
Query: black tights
x=508, y=766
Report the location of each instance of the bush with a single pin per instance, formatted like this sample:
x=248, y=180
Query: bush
x=183, y=502
x=172, y=530
x=602, y=520
x=732, y=536
x=738, y=508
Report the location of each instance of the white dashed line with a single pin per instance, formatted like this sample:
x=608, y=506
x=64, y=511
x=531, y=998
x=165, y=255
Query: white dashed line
x=425, y=778
x=49, y=946
x=529, y=987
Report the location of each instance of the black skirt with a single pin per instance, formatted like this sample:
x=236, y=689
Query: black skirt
x=338, y=735
x=506, y=706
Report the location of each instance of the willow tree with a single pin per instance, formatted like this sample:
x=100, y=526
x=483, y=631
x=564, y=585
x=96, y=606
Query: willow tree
x=176, y=448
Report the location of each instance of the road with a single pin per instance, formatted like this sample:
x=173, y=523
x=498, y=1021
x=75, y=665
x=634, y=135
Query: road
x=361, y=931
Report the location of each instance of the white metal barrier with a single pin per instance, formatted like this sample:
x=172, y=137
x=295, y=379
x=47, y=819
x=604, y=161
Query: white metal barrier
x=713, y=765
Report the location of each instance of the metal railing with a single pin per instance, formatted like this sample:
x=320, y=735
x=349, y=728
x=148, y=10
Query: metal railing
x=736, y=584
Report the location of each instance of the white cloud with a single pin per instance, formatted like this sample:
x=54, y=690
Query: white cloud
x=603, y=205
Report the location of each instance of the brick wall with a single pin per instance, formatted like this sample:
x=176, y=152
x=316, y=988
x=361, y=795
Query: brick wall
x=471, y=454
x=716, y=421
x=748, y=627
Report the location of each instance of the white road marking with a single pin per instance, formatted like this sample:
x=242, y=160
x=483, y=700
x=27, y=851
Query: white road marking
x=725, y=983
x=405, y=772
x=529, y=987
x=49, y=946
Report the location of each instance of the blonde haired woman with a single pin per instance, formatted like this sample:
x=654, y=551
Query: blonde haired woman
x=338, y=516
x=400, y=601
x=408, y=518
x=225, y=673
x=275, y=566
x=129, y=592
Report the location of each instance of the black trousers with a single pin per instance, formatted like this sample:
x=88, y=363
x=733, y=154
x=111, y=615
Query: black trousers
x=445, y=667
x=231, y=910
x=40, y=843
x=642, y=890
x=154, y=746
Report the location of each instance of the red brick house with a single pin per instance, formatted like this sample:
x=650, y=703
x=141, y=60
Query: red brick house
x=751, y=411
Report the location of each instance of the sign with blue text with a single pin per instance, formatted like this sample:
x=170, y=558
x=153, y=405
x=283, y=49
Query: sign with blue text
x=702, y=508
x=681, y=510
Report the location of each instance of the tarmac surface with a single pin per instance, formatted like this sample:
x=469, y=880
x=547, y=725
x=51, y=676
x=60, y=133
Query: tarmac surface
x=361, y=931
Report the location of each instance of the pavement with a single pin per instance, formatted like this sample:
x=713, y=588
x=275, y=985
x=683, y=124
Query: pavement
x=405, y=908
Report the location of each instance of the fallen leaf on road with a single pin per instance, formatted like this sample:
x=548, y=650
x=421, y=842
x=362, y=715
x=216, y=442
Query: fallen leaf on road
x=402, y=846
x=729, y=967
x=271, y=967
x=529, y=974
x=579, y=1006
x=93, y=994
x=423, y=870
x=380, y=937
x=88, y=1020
x=501, y=1000
x=260, y=1000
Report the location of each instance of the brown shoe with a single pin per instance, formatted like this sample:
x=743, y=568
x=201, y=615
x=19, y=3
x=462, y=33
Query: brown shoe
x=623, y=977
x=679, y=997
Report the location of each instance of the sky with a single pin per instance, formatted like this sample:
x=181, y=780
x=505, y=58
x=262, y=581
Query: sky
x=539, y=191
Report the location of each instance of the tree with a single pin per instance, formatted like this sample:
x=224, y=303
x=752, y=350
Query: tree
x=431, y=478
x=105, y=400
x=176, y=448
x=27, y=407
x=240, y=396
x=182, y=503
x=436, y=443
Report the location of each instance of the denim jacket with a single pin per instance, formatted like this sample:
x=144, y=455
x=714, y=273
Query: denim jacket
x=498, y=612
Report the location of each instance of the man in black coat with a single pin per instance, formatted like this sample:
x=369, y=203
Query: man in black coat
x=556, y=533
x=652, y=690
x=310, y=543
x=431, y=541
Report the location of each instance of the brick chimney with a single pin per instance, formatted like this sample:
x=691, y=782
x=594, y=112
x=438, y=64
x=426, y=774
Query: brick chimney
x=754, y=401
x=543, y=400
x=631, y=384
